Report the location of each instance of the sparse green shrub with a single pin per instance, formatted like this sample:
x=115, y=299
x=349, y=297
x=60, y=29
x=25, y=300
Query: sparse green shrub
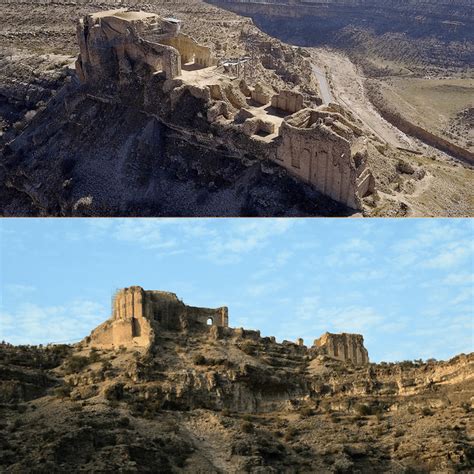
x=64, y=391
x=291, y=432
x=426, y=411
x=16, y=424
x=248, y=347
x=114, y=392
x=124, y=422
x=363, y=410
x=334, y=417
x=76, y=364
x=247, y=427
x=94, y=356
x=306, y=412
x=199, y=359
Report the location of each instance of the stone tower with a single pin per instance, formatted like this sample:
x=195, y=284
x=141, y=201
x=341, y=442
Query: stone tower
x=345, y=347
x=137, y=315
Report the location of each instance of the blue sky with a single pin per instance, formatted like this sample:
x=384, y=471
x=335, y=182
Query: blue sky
x=406, y=285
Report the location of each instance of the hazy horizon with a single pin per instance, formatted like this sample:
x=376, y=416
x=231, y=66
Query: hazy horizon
x=407, y=286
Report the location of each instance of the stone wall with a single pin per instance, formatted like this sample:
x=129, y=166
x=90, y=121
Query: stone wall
x=112, y=46
x=345, y=347
x=138, y=314
x=191, y=51
x=319, y=146
x=289, y=101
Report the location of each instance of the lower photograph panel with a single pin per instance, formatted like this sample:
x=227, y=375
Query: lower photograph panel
x=236, y=345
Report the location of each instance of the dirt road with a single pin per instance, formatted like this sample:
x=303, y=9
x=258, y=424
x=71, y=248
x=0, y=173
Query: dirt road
x=347, y=88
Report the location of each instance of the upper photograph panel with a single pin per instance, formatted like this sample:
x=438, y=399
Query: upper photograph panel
x=236, y=108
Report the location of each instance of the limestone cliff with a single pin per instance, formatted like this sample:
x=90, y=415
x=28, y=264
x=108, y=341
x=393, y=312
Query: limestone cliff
x=424, y=32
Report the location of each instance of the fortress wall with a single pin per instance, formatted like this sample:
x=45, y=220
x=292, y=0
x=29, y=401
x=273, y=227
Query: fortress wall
x=288, y=101
x=345, y=347
x=108, y=51
x=319, y=156
x=219, y=316
x=190, y=50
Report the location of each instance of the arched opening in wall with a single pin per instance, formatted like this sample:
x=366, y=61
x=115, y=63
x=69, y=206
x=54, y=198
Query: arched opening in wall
x=190, y=63
x=209, y=322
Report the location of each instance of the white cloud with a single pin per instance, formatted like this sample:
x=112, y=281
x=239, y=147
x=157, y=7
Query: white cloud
x=435, y=244
x=354, y=252
x=266, y=288
x=459, y=279
x=358, y=319
x=308, y=307
x=449, y=255
x=31, y=323
x=242, y=237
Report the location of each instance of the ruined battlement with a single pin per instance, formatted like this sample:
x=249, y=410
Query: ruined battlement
x=145, y=60
x=138, y=315
x=345, y=347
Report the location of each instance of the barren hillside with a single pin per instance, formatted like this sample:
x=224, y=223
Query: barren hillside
x=194, y=403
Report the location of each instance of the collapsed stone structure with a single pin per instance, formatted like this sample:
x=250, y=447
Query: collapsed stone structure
x=344, y=347
x=145, y=59
x=138, y=315
x=117, y=41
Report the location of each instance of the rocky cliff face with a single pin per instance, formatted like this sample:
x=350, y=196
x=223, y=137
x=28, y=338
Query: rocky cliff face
x=211, y=401
x=424, y=32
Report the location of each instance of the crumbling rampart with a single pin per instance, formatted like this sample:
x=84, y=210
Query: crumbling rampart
x=138, y=315
x=144, y=60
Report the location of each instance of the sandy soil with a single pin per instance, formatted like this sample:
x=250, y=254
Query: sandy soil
x=347, y=87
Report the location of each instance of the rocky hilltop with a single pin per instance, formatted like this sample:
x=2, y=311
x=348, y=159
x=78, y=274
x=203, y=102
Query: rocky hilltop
x=238, y=130
x=185, y=99
x=162, y=386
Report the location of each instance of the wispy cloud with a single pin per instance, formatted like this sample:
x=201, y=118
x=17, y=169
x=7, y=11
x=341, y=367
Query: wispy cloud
x=31, y=323
x=354, y=252
x=242, y=237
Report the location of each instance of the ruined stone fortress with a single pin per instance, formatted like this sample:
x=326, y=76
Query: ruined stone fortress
x=138, y=315
x=146, y=60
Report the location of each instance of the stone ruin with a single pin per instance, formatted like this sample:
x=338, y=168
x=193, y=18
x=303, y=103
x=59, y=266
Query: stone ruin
x=119, y=40
x=138, y=315
x=170, y=76
x=344, y=347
